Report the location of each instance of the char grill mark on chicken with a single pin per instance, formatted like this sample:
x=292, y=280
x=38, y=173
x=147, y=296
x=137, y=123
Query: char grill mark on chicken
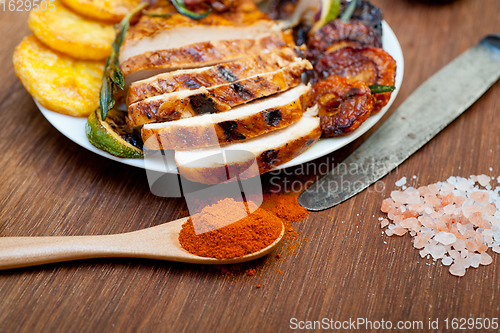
x=243, y=122
x=211, y=76
x=179, y=42
x=201, y=54
x=208, y=166
x=221, y=98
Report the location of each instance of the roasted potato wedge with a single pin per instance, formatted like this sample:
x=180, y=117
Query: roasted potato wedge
x=102, y=10
x=71, y=34
x=58, y=82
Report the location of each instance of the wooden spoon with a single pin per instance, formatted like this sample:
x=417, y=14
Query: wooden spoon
x=160, y=242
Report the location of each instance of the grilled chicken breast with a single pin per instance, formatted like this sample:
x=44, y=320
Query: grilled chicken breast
x=221, y=98
x=241, y=123
x=211, y=76
x=199, y=55
x=179, y=42
x=216, y=165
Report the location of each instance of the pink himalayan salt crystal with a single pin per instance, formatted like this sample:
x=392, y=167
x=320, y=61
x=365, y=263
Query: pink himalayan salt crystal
x=399, y=196
x=427, y=222
x=434, y=188
x=419, y=208
x=447, y=261
x=423, y=190
x=448, y=187
x=459, y=245
x=454, y=254
x=483, y=180
x=420, y=241
x=480, y=196
x=471, y=245
x=447, y=199
x=445, y=238
x=399, y=231
x=459, y=200
x=487, y=236
x=437, y=214
x=481, y=247
x=409, y=213
x=489, y=209
x=457, y=233
x=393, y=213
x=410, y=223
x=477, y=219
x=486, y=259
x=493, y=220
x=432, y=200
x=465, y=228
x=442, y=223
x=384, y=223
x=413, y=196
x=457, y=270
x=387, y=205
x=449, y=209
x=468, y=210
x=437, y=251
x=469, y=233
x=474, y=260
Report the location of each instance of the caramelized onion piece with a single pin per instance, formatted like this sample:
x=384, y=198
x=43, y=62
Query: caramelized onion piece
x=343, y=105
x=337, y=34
x=373, y=66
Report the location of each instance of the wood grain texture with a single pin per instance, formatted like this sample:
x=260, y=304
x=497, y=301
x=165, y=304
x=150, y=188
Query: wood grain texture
x=51, y=186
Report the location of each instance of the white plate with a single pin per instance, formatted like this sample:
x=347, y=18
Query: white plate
x=74, y=128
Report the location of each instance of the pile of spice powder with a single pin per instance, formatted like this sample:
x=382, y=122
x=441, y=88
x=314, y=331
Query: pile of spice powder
x=288, y=209
x=248, y=235
x=456, y=221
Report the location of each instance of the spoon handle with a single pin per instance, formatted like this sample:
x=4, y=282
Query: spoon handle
x=159, y=242
x=29, y=251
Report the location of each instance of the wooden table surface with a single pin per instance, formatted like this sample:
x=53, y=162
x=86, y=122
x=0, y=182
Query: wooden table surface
x=50, y=186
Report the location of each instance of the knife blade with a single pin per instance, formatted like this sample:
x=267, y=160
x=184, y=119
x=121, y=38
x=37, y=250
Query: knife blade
x=427, y=111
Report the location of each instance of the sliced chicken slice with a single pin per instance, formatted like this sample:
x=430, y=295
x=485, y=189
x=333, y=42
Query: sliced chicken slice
x=243, y=122
x=200, y=54
x=216, y=165
x=149, y=34
x=211, y=76
x=154, y=40
x=221, y=98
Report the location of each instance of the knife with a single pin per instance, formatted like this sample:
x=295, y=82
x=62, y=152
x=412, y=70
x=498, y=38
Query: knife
x=428, y=110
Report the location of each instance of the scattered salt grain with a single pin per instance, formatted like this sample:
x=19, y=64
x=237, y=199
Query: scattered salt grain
x=414, y=177
x=486, y=259
x=445, y=238
x=457, y=270
x=455, y=221
x=447, y=261
x=483, y=179
x=401, y=182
